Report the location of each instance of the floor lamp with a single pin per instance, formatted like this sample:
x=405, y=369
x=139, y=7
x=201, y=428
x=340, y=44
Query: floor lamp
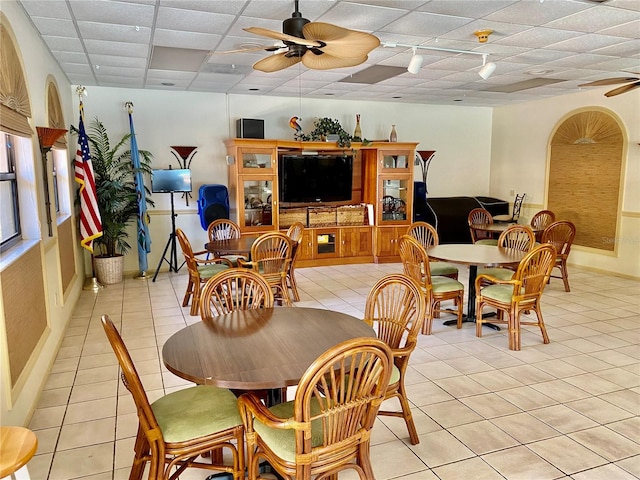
x=47, y=137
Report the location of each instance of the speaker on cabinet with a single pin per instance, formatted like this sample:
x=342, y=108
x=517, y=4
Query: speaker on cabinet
x=213, y=203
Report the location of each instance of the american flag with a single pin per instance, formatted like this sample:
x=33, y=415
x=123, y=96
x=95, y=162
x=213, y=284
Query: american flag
x=90, y=221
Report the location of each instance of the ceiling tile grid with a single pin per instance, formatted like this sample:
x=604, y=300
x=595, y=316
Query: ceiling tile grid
x=177, y=45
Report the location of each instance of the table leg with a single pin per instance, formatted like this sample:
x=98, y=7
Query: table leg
x=470, y=317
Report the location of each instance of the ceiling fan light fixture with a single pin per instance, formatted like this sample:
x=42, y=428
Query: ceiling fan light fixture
x=415, y=63
x=483, y=35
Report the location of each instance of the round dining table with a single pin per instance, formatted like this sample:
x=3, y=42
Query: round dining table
x=475, y=255
x=231, y=246
x=258, y=349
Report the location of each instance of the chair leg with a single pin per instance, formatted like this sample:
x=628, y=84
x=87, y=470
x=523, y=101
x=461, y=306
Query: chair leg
x=195, y=301
x=188, y=293
x=459, y=303
x=478, y=318
x=543, y=329
x=293, y=285
x=141, y=456
x=565, y=275
x=406, y=413
x=428, y=321
x=514, y=329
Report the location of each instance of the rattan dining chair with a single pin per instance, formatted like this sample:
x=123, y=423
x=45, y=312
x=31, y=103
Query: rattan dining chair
x=519, y=294
x=479, y=216
x=271, y=258
x=540, y=221
x=200, y=270
x=177, y=428
x=396, y=308
x=437, y=289
x=225, y=229
x=294, y=232
x=326, y=428
x=427, y=235
x=561, y=235
x=234, y=289
x=518, y=237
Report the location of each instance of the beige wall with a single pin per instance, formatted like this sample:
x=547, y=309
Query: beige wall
x=17, y=404
x=519, y=157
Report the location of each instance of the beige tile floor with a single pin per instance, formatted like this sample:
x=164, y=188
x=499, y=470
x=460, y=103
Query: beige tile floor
x=569, y=409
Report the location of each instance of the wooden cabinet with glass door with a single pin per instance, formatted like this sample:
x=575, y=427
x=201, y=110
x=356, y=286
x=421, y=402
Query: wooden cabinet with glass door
x=388, y=185
x=253, y=185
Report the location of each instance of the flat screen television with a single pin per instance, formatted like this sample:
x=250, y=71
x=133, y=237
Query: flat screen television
x=315, y=178
x=178, y=180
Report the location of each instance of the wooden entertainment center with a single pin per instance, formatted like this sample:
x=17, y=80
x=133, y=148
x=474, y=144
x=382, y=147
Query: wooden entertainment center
x=382, y=178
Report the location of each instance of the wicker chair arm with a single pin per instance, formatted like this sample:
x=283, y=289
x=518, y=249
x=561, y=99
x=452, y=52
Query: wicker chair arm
x=251, y=407
x=211, y=261
x=493, y=280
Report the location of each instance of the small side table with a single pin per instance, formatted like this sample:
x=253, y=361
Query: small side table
x=17, y=446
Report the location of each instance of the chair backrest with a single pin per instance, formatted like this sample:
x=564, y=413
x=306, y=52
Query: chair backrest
x=397, y=307
x=294, y=232
x=341, y=393
x=425, y=233
x=131, y=380
x=234, y=289
x=187, y=252
x=271, y=254
x=520, y=237
x=223, y=229
x=517, y=206
x=533, y=272
x=415, y=261
x=477, y=216
x=543, y=219
x=561, y=235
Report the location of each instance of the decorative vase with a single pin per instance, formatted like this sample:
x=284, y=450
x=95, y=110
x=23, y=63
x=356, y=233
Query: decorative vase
x=393, y=136
x=357, y=133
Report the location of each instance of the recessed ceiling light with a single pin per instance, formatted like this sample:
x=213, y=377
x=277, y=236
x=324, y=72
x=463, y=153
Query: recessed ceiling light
x=328, y=94
x=457, y=100
x=396, y=97
x=168, y=84
x=254, y=89
x=538, y=71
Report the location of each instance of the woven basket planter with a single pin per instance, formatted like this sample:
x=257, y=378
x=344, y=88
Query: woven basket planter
x=109, y=269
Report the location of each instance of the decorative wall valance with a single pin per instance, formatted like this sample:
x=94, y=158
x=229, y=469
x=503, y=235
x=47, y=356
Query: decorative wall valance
x=15, y=109
x=54, y=110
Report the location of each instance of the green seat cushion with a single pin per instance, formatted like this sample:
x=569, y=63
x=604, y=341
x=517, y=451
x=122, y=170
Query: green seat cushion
x=487, y=241
x=234, y=258
x=500, y=293
x=395, y=375
x=283, y=442
x=195, y=412
x=442, y=268
x=499, y=273
x=445, y=284
x=208, y=271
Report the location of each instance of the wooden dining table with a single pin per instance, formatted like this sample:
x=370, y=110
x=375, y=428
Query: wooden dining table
x=258, y=349
x=475, y=255
x=231, y=246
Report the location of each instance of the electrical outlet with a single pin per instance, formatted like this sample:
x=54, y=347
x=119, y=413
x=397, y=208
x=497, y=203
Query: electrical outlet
x=512, y=193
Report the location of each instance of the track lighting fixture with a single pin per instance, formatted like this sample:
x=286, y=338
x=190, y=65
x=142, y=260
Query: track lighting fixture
x=487, y=68
x=415, y=63
x=416, y=60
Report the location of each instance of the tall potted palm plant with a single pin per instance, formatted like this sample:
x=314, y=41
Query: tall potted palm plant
x=116, y=197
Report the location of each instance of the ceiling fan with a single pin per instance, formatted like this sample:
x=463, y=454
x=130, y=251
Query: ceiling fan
x=319, y=46
x=631, y=84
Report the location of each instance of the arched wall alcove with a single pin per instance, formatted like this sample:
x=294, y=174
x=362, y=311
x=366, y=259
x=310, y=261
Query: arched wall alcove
x=585, y=175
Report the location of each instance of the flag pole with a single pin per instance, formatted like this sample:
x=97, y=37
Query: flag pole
x=84, y=177
x=144, y=239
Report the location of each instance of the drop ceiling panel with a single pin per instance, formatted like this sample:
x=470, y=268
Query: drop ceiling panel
x=573, y=40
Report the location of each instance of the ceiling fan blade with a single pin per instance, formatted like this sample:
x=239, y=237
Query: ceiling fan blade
x=622, y=89
x=265, y=32
x=609, y=81
x=327, y=62
x=341, y=42
x=272, y=48
x=276, y=62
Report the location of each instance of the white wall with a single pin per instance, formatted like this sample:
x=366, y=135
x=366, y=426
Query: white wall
x=205, y=120
x=520, y=139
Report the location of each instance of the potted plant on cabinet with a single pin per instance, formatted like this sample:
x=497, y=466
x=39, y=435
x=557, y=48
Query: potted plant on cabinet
x=116, y=196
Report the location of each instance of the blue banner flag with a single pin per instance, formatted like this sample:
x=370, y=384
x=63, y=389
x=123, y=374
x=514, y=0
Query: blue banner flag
x=144, y=240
